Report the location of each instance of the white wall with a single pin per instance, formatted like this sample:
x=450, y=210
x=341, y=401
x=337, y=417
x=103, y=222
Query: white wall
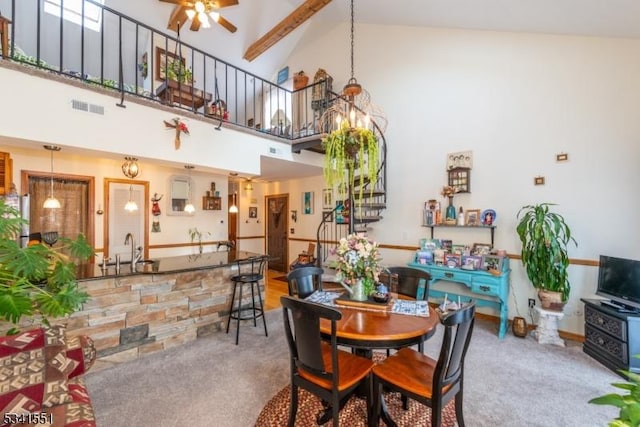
x=516, y=100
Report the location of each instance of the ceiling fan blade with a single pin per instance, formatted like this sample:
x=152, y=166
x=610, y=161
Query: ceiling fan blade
x=178, y=16
x=224, y=3
x=226, y=24
x=195, y=24
x=179, y=2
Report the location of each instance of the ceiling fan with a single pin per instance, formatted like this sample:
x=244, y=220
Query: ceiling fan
x=199, y=12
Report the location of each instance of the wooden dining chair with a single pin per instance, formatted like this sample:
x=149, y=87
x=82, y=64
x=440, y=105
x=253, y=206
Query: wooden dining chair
x=317, y=366
x=304, y=281
x=431, y=382
x=407, y=281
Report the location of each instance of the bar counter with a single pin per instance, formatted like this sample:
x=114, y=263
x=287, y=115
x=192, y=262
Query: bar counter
x=165, y=303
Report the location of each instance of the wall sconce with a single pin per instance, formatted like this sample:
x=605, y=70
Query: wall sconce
x=294, y=216
x=130, y=167
x=51, y=202
x=249, y=186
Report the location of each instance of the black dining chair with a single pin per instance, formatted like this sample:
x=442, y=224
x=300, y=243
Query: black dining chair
x=318, y=366
x=407, y=281
x=304, y=281
x=431, y=382
x=250, y=272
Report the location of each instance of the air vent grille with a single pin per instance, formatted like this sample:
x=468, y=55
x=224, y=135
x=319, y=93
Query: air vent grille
x=85, y=106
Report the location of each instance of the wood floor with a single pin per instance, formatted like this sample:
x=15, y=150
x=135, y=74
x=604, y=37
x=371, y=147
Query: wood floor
x=274, y=289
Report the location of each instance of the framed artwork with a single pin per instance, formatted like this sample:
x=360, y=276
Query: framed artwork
x=452, y=260
x=492, y=262
x=446, y=245
x=328, y=216
x=253, y=212
x=473, y=217
x=307, y=202
x=481, y=249
x=459, y=249
x=460, y=159
x=164, y=58
x=471, y=262
x=342, y=212
x=327, y=198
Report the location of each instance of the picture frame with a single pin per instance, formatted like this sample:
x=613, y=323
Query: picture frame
x=446, y=244
x=342, y=212
x=471, y=262
x=328, y=215
x=473, y=217
x=453, y=260
x=162, y=56
x=481, y=249
x=327, y=198
x=458, y=249
x=307, y=203
x=492, y=262
x=253, y=212
x=250, y=123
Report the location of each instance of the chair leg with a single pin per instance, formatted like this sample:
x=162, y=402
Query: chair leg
x=436, y=413
x=405, y=402
x=253, y=304
x=238, y=314
x=233, y=297
x=459, y=417
x=264, y=319
x=293, y=408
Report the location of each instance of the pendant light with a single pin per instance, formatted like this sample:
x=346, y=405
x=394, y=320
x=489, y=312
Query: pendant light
x=51, y=202
x=131, y=205
x=189, y=208
x=234, y=206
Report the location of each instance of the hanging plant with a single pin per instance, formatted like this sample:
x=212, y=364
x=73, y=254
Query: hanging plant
x=350, y=152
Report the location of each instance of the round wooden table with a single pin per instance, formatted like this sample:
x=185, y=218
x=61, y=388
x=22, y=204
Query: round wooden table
x=366, y=330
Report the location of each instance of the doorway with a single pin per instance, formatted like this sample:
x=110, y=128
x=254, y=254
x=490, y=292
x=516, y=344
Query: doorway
x=277, y=226
x=118, y=222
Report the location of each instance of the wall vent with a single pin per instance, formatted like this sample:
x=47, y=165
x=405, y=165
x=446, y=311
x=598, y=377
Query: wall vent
x=97, y=109
x=79, y=105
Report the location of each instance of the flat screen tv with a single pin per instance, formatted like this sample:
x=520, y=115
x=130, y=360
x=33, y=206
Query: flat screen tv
x=619, y=281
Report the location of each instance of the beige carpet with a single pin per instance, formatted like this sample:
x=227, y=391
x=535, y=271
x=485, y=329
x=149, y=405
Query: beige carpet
x=354, y=413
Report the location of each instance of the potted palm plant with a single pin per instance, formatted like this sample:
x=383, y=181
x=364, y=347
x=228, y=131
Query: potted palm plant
x=37, y=280
x=350, y=151
x=545, y=237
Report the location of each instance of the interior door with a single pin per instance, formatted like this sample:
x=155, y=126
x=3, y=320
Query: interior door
x=277, y=226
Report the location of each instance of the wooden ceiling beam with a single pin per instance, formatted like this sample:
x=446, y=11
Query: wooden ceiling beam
x=305, y=11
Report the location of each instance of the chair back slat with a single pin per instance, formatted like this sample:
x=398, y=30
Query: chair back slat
x=304, y=281
x=253, y=266
x=407, y=281
x=458, y=326
x=304, y=337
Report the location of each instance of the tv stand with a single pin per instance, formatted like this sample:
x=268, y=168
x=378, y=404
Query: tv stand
x=611, y=336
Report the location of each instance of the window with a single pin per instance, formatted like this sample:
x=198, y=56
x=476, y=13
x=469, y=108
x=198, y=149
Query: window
x=73, y=12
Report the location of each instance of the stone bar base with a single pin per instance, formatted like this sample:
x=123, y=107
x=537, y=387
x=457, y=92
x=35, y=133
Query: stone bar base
x=547, y=330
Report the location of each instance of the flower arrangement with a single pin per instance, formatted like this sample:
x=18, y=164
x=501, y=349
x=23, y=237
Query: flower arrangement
x=358, y=258
x=448, y=191
x=179, y=126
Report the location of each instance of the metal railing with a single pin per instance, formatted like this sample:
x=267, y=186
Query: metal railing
x=126, y=55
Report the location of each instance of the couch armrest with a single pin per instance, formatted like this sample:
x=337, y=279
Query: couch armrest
x=80, y=350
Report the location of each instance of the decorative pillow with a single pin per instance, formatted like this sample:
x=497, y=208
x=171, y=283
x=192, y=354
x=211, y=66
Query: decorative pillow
x=33, y=370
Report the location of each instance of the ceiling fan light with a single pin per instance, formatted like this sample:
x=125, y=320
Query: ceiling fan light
x=204, y=21
x=214, y=15
x=199, y=6
x=191, y=14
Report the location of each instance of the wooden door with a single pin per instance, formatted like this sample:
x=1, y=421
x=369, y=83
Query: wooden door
x=277, y=226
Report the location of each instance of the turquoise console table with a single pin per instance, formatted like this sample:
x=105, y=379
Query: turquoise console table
x=488, y=290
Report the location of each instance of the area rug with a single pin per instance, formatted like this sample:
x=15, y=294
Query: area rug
x=354, y=413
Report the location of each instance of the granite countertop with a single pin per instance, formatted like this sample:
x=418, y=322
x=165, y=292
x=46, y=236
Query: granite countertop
x=165, y=265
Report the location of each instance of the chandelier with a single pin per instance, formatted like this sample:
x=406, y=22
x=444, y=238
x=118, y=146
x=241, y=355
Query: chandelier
x=204, y=10
x=358, y=112
x=51, y=202
x=189, y=208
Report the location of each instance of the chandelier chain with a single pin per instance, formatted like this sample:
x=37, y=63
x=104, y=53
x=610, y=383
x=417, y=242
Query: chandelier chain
x=352, y=39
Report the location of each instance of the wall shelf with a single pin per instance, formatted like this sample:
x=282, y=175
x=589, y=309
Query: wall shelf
x=469, y=227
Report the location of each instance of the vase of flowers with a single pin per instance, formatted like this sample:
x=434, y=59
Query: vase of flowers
x=357, y=265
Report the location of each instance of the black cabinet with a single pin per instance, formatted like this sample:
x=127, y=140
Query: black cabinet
x=611, y=337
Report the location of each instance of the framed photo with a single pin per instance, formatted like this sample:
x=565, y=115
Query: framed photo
x=328, y=215
x=250, y=123
x=307, y=202
x=164, y=58
x=471, y=262
x=447, y=245
x=481, y=249
x=458, y=249
x=327, y=198
x=492, y=262
x=473, y=217
x=253, y=212
x=452, y=260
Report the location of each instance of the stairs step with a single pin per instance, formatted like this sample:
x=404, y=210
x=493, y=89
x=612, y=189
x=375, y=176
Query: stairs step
x=371, y=205
x=366, y=194
x=367, y=219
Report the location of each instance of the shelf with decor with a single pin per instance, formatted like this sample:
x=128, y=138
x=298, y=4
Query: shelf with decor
x=491, y=228
x=211, y=203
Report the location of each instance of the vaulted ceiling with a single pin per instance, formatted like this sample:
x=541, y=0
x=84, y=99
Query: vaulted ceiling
x=255, y=18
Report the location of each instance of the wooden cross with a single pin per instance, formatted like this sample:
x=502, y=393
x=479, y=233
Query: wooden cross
x=179, y=127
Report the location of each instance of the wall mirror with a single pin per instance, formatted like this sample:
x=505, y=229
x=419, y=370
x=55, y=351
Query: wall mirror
x=180, y=187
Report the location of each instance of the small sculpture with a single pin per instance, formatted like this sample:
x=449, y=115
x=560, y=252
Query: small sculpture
x=180, y=127
x=155, y=207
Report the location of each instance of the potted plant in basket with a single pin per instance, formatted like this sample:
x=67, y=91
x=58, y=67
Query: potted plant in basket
x=545, y=237
x=349, y=150
x=37, y=280
x=357, y=265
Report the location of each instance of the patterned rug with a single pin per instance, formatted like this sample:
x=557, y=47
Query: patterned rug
x=354, y=413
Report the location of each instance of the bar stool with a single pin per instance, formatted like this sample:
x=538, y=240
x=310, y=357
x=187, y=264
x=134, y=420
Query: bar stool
x=250, y=272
